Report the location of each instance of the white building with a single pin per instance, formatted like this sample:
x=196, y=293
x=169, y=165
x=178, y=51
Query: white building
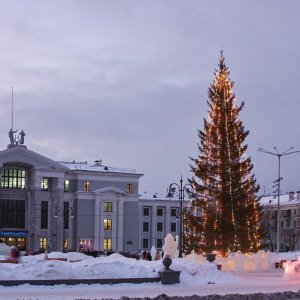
x=289, y=221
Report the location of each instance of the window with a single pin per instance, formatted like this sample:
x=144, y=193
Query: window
x=66, y=215
x=44, y=214
x=13, y=178
x=146, y=211
x=129, y=188
x=160, y=212
x=173, y=227
x=85, y=245
x=67, y=185
x=173, y=212
x=43, y=243
x=108, y=206
x=107, y=244
x=145, y=226
x=107, y=224
x=45, y=184
x=12, y=213
x=66, y=245
x=145, y=243
x=86, y=186
x=159, y=226
x=159, y=243
x=21, y=243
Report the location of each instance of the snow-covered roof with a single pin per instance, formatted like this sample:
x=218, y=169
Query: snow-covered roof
x=97, y=166
x=285, y=199
x=160, y=197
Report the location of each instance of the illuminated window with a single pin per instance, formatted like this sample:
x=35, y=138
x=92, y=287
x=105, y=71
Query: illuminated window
x=108, y=206
x=21, y=243
x=45, y=184
x=107, y=245
x=67, y=185
x=129, y=188
x=107, y=224
x=66, y=244
x=85, y=245
x=86, y=186
x=43, y=243
x=13, y=178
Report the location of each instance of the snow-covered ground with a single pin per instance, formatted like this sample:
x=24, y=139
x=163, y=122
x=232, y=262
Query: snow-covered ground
x=195, y=278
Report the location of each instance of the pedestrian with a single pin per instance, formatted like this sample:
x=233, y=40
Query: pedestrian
x=144, y=255
x=149, y=257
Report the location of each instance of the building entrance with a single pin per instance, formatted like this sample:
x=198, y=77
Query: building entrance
x=11, y=238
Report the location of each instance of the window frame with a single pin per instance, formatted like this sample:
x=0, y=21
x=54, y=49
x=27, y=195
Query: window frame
x=172, y=224
x=145, y=242
x=67, y=185
x=108, y=206
x=159, y=209
x=159, y=226
x=107, y=224
x=86, y=186
x=146, y=208
x=43, y=243
x=14, y=178
x=107, y=244
x=45, y=184
x=44, y=214
x=129, y=188
x=174, y=209
x=159, y=243
x=145, y=226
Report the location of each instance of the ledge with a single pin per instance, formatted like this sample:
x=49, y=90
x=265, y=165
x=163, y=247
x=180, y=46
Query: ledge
x=77, y=281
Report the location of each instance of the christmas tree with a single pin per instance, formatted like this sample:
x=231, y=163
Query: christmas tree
x=224, y=214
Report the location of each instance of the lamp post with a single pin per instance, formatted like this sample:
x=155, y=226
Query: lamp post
x=181, y=189
x=277, y=181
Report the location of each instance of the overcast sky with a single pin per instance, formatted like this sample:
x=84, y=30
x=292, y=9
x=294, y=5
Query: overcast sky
x=127, y=81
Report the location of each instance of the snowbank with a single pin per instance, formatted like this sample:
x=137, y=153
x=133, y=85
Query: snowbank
x=80, y=266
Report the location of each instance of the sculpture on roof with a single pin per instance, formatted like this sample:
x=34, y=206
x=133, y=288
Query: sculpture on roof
x=16, y=140
x=22, y=137
x=11, y=136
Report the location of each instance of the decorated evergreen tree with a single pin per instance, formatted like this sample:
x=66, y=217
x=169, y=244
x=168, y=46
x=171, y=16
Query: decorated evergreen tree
x=224, y=214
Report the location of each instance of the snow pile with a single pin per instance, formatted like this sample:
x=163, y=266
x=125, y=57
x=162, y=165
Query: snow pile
x=113, y=266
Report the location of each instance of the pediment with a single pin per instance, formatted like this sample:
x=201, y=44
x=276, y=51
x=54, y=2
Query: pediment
x=22, y=156
x=109, y=189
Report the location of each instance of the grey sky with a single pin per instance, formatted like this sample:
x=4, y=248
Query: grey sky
x=127, y=81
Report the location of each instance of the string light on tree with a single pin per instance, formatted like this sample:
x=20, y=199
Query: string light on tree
x=225, y=188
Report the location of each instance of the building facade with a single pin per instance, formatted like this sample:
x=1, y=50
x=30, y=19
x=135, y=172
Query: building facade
x=61, y=206
x=158, y=216
x=289, y=220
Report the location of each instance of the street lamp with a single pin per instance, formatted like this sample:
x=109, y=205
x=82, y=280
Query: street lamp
x=181, y=189
x=277, y=181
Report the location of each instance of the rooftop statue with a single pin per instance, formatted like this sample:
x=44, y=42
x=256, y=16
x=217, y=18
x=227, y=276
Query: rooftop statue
x=16, y=140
